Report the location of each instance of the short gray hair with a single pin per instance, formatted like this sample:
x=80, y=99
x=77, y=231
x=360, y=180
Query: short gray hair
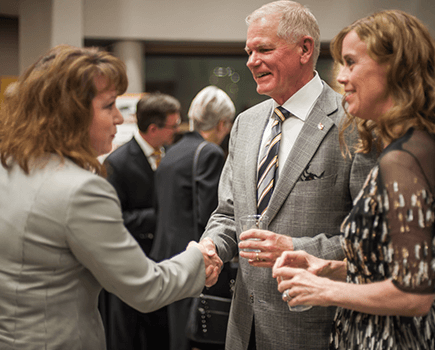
x=210, y=106
x=296, y=21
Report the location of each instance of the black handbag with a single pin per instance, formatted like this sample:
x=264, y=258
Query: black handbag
x=208, y=318
x=209, y=313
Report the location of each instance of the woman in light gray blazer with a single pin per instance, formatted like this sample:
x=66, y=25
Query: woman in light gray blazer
x=62, y=236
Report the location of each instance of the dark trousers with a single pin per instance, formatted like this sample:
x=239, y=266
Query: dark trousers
x=252, y=344
x=177, y=318
x=129, y=329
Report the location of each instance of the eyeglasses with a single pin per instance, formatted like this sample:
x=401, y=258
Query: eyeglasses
x=172, y=127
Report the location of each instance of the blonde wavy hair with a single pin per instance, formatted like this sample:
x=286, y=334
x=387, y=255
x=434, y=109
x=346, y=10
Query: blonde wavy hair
x=404, y=44
x=49, y=110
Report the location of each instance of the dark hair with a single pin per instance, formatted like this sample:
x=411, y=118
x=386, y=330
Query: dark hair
x=404, y=44
x=153, y=108
x=50, y=107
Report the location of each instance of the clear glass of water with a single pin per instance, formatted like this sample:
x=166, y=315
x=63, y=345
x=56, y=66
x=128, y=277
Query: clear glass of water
x=248, y=222
x=298, y=308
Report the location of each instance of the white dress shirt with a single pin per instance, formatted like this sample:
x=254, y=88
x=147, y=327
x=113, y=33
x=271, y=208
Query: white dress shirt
x=300, y=105
x=147, y=149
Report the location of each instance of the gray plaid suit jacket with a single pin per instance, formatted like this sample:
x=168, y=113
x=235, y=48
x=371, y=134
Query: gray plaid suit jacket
x=313, y=195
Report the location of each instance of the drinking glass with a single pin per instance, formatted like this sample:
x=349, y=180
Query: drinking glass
x=247, y=222
x=297, y=308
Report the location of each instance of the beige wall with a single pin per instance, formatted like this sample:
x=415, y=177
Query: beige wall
x=9, y=7
x=45, y=23
x=222, y=20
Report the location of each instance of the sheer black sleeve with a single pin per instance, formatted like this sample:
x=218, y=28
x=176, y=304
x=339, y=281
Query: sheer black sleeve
x=407, y=173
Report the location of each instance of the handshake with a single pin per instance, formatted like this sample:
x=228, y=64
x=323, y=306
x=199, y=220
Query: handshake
x=213, y=264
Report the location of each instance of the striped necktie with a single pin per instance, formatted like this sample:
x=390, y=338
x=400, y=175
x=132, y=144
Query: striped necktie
x=267, y=169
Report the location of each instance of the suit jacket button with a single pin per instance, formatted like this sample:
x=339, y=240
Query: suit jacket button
x=146, y=236
x=251, y=298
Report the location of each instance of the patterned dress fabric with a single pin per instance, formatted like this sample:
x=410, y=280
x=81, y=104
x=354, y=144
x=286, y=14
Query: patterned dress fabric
x=390, y=234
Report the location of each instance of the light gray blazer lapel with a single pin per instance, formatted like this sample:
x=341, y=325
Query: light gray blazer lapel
x=306, y=145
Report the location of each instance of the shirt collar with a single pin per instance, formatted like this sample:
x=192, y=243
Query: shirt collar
x=145, y=146
x=302, y=102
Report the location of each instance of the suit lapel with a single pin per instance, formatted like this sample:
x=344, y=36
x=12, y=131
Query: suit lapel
x=139, y=158
x=256, y=130
x=313, y=132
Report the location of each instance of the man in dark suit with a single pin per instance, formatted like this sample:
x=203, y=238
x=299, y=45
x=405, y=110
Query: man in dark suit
x=310, y=185
x=211, y=114
x=130, y=169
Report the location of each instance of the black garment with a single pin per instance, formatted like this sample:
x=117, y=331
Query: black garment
x=132, y=177
x=390, y=234
x=175, y=216
x=129, y=329
x=130, y=173
x=174, y=198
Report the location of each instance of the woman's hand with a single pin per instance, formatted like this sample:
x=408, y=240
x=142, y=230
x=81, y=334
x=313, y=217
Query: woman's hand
x=302, y=287
x=333, y=269
x=301, y=276
x=301, y=260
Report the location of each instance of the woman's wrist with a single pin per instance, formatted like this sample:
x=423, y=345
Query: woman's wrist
x=332, y=292
x=333, y=269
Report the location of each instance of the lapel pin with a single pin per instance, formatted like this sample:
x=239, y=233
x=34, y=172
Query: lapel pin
x=320, y=126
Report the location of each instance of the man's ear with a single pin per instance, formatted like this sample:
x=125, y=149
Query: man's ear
x=221, y=124
x=151, y=128
x=307, y=45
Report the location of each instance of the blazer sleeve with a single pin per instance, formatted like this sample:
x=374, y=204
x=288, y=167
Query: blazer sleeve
x=221, y=227
x=98, y=239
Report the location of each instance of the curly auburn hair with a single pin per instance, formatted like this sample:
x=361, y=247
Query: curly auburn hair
x=404, y=44
x=49, y=109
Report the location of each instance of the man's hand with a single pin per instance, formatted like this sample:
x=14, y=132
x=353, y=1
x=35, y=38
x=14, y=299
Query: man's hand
x=270, y=245
x=213, y=264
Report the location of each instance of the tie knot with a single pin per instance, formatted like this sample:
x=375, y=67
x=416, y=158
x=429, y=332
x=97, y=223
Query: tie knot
x=157, y=154
x=281, y=113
